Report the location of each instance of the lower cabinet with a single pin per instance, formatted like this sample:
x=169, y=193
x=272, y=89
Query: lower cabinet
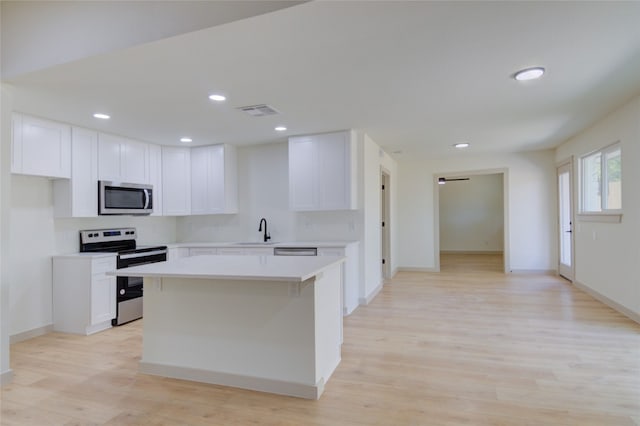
x=350, y=274
x=84, y=296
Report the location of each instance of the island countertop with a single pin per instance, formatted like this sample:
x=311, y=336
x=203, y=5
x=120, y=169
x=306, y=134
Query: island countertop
x=259, y=268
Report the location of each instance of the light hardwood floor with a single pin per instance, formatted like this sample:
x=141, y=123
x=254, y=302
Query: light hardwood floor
x=460, y=347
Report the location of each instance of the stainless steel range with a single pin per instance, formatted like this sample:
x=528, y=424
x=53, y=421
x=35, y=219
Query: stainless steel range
x=123, y=242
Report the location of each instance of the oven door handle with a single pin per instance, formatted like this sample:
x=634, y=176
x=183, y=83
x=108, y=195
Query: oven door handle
x=144, y=254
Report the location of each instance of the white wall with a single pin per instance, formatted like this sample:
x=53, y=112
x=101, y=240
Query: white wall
x=531, y=221
x=35, y=236
x=607, y=255
x=472, y=214
x=5, y=199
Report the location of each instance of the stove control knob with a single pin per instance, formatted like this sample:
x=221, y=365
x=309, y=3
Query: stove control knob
x=122, y=292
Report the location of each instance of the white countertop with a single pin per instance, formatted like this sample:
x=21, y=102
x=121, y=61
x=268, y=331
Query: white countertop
x=259, y=268
x=319, y=244
x=90, y=255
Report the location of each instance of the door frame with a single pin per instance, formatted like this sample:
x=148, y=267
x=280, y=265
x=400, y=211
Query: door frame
x=506, y=256
x=572, y=203
x=385, y=231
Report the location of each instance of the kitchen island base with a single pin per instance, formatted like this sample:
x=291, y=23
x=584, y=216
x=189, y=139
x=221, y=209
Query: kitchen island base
x=275, y=336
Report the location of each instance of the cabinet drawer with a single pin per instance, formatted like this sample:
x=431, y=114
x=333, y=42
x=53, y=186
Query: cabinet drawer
x=103, y=265
x=202, y=251
x=331, y=252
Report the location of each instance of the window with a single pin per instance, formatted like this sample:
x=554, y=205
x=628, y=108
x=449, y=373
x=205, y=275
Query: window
x=601, y=181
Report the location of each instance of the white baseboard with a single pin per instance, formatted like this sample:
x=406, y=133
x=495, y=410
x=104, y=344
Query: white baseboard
x=471, y=252
x=414, y=269
x=30, y=334
x=371, y=296
x=6, y=377
x=394, y=272
x=534, y=271
x=611, y=303
x=260, y=384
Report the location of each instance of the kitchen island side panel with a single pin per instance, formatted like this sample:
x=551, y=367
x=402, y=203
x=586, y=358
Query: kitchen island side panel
x=252, y=329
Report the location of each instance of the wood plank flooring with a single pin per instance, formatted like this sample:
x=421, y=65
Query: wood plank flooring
x=466, y=346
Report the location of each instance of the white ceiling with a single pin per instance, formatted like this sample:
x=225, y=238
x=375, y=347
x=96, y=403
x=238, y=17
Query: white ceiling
x=415, y=76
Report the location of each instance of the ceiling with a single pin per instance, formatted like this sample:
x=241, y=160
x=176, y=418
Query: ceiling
x=417, y=77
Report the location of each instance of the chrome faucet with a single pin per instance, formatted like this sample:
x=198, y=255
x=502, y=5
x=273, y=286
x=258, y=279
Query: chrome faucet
x=266, y=234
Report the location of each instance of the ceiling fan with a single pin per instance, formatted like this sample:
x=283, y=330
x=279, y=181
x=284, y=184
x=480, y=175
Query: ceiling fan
x=442, y=180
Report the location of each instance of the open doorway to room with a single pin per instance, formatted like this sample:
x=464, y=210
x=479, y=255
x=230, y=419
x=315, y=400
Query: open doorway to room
x=471, y=222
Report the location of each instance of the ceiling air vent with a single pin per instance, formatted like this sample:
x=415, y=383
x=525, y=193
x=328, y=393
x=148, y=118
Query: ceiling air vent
x=259, y=110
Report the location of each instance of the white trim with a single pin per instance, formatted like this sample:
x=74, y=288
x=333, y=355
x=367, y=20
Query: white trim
x=30, y=334
x=534, y=272
x=300, y=390
x=6, y=377
x=394, y=272
x=371, y=296
x=416, y=269
x=610, y=303
x=600, y=217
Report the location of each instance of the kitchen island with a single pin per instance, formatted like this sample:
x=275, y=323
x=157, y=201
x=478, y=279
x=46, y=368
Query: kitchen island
x=265, y=323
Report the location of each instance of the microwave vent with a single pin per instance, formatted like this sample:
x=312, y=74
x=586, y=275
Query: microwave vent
x=259, y=110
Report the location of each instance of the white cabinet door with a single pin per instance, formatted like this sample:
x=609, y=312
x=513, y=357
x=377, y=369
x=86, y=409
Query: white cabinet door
x=123, y=160
x=176, y=181
x=322, y=172
x=258, y=251
x=40, y=147
x=109, y=155
x=303, y=174
x=230, y=251
x=177, y=253
x=135, y=162
x=213, y=180
x=78, y=196
x=103, y=298
x=155, y=177
x=200, y=251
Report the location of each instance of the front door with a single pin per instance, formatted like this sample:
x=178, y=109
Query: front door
x=565, y=222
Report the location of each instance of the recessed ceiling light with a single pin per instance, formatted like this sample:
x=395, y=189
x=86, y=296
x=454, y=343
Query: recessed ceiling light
x=462, y=145
x=281, y=128
x=216, y=97
x=101, y=116
x=186, y=140
x=529, y=74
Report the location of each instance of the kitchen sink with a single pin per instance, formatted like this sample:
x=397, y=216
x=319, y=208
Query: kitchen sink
x=255, y=243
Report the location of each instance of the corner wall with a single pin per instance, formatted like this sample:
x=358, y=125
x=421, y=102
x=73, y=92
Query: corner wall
x=607, y=254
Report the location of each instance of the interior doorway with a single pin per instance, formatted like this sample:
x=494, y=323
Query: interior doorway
x=565, y=221
x=385, y=224
x=471, y=221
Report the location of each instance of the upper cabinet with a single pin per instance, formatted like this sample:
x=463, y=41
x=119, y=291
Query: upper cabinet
x=214, y=180
x=40, y=147
x=78, y=196
x=322, y=172
x=155, y=177
x=176, y=181
x=122, y=160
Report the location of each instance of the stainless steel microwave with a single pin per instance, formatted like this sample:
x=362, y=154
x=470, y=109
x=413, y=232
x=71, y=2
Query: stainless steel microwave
x=117, y=198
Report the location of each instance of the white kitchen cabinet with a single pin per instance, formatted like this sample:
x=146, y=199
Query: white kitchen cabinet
x=176, y=181
x=323, y=172
x=84, y=296
x=214, y=180
x=78, y=196
x=258, y=251
x=350, y=274
x=40, y=147
x=122, y=160
x=231, y=251
x=174, y=253
x=202, y=251
x=155, y=177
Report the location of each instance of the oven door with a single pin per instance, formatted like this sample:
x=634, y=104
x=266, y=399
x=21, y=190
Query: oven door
x=129, y=288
